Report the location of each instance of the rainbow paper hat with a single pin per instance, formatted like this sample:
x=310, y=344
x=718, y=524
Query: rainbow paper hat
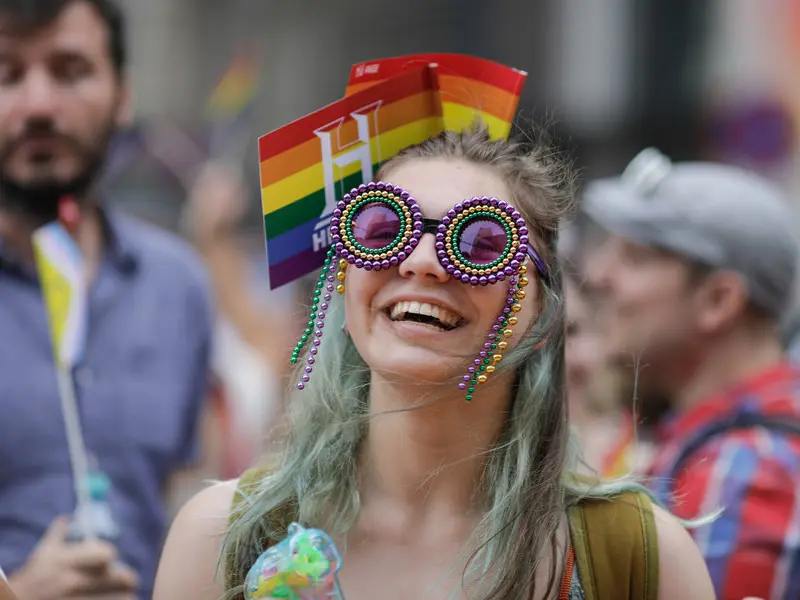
x=309, y=164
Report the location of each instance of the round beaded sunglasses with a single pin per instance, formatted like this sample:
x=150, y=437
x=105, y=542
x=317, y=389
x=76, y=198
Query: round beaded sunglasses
x=480, y=241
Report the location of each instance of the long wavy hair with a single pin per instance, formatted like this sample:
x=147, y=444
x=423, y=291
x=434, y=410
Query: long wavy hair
x=526, y=483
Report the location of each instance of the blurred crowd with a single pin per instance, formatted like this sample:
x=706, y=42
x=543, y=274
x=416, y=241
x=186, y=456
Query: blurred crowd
x=682, y=333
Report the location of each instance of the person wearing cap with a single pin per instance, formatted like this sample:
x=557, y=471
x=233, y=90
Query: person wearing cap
x=696, y=274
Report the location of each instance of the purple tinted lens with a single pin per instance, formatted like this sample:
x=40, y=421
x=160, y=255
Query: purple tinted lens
x=482, y=241
x=375, y=226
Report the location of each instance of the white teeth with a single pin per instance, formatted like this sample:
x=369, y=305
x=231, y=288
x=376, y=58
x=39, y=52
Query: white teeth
x=401, y=309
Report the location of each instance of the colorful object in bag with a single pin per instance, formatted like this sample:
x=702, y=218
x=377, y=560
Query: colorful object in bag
x=308, y=165
x=304, y=566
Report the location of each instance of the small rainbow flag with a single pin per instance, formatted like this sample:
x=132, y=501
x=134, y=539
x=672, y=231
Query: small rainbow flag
x=308, y=165
x=63, y=280
x=236, y=90
x=469, y=87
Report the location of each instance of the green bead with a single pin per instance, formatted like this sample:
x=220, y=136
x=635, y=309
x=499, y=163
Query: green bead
x=310, y=323
x=468, y=397
x=482, y=368
x=470, y=389
x=305, y=337
x=494, y=346
x=487, y=361
x=319, y=285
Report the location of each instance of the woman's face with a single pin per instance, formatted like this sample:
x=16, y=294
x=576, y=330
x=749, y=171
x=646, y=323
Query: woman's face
x=392, y=314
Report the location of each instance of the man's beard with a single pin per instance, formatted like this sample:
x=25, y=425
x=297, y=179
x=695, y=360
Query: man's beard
x=38, y=200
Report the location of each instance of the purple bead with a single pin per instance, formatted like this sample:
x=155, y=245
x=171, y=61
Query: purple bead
x=321, y=315
x=519, y=258
x=334, y=221
x=442, y=255
x=495, y=327
x=514, y=264
x=339, y=247
x=482, y=354
x=380, y=185
x=305, y=378
x=519, y=223
x=456, y=209
x=320, y=325
x=308, y=370
x=492, y=278
x=488, y=345
x=466, y=378
x=370, y=186
x=506, y=310
x=359, y=263
x=523, y=231
x=313, y=351
x=513, y=281
x=368, y=265
x=327, y=297
x=477, y=362
x=417, y=234
x=318, y=333
x=457, y=274
x=440, y=237
x=317, y=342
x=417, y=216
x=412, y=243
x=465, y=279
x=493, y=201
x=462, y=386
x=508, y=271
x=439, y=245
x=329, y=287
x=331, y=278
x=523, y=249
x=300, y=386
x=450, y=269
x=385, y=264
x=473, y=280
x=500, y=276
x=336, y=239
x=509, y=209
x=483, y=280
x=394, y=261
x=510, y=299
x=405, y=195
x=401, y=256
x=523, y=239
x=500, y=320
x=471, y=369
x=338, y=212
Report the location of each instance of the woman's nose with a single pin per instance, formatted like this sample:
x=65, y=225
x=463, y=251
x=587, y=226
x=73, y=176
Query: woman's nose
x=424, y=262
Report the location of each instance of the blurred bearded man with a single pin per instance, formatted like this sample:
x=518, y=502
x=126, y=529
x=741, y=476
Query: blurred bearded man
x=697, y=273
x=142, y=381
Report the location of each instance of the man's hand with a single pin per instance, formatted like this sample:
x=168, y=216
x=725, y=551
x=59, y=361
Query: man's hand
x=58, y=569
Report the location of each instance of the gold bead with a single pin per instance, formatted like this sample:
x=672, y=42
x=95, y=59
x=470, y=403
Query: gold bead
x=490, y=368
x=482, y=378
x=383, y=256
x=520, y=294
x=512, y=320
x=502, y=345
x=508, y=332
x=340, y=288
x=516, y=308
x=523, y=269
x=341, y=275
x=523, y=281
x=342, y=263
x=496, y=358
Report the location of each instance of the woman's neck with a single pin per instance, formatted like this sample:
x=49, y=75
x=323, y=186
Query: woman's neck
x=427, y=447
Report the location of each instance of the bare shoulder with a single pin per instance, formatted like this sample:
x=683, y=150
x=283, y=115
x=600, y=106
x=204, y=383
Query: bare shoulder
x=682, y=569
x=189, y=562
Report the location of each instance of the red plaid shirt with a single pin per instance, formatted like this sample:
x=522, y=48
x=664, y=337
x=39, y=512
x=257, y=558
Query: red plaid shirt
x=753, y=549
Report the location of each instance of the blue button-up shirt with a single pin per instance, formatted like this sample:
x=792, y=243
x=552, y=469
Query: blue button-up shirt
x=140, y=391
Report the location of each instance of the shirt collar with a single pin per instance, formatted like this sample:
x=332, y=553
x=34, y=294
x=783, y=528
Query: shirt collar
x=752, y=393
x=122, y=251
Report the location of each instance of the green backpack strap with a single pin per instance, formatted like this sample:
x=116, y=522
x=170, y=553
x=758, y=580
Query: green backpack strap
x=247, y=481
x=616, y=547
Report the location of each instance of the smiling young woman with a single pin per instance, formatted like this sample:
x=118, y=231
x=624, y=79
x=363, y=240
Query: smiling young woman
x=429, y=433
